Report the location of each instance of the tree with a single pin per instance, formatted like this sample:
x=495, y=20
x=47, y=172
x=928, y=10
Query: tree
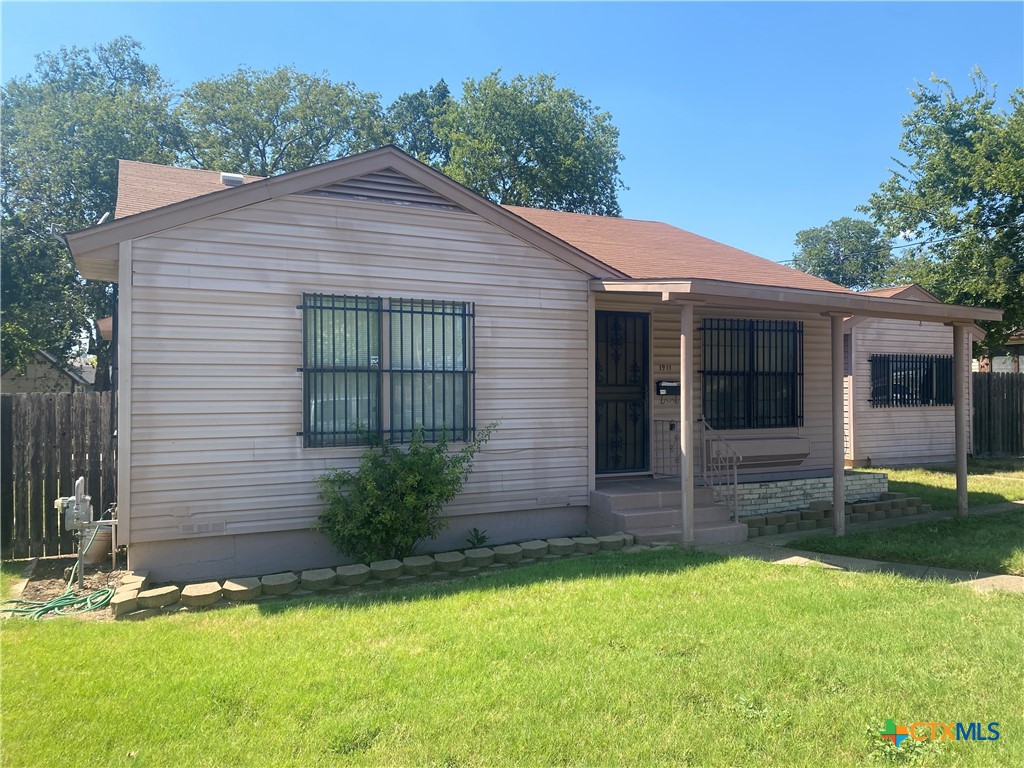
x=413, y=119
x=959, y=196
x=850, y=252
x=265, y=123
x=527, y=142
x=64, y=129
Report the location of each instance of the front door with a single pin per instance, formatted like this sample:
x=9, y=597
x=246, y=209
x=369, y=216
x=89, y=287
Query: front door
x=622, y=383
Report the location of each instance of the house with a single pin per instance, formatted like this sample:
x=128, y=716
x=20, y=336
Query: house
x=44, y=373
x=379, y=294
x=899, y=386
x=1005, y=360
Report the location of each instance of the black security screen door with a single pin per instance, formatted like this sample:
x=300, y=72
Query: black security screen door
x=622, y=371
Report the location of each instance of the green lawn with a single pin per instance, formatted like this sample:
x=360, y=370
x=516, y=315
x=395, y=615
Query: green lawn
x=10, y=572
x=989, y=481
x=659, y=658
x=992, y=542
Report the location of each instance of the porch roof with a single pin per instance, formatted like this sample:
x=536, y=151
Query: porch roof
x=736, y=294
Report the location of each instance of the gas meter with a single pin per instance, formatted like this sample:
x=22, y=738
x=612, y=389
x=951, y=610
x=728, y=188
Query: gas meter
x=77, y=509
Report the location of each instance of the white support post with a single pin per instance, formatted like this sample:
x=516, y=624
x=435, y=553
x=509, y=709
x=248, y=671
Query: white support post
x=960, y=416
x=838, y=430
x=686, y=419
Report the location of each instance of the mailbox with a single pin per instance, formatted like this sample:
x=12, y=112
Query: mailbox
x=668, y=388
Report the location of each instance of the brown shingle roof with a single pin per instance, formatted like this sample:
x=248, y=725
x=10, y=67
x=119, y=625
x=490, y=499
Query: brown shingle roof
x=144, y=186
x=888, y=293
x=640, y=249
x=652, y=250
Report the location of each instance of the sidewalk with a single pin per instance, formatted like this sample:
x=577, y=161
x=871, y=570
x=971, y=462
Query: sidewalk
x=774, y=549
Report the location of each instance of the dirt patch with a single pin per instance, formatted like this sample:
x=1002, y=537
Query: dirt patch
x=50, y=579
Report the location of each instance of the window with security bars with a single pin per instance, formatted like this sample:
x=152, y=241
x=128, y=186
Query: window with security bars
x=911, y=380
x=383, y=366
x=752, y=373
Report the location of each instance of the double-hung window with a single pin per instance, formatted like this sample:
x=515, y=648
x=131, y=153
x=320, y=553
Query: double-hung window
x=911, y=380
x=385, y=366
x=752, y=373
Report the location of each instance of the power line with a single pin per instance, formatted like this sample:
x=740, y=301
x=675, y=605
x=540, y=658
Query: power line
x=920, y=242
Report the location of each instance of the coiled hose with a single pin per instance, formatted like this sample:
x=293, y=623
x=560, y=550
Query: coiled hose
x=67, y=604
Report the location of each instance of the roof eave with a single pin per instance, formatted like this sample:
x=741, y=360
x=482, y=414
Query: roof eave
x=801, y=300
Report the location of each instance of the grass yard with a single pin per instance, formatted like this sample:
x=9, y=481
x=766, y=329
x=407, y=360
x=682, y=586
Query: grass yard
x=989, y=481
x=992, y=542
x=10, y=572
x=658, y=658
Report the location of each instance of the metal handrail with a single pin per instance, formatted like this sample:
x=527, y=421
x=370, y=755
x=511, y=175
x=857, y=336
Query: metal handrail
x=720, y=462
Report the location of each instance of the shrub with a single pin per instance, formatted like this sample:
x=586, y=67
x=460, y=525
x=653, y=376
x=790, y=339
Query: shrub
x=393, y=501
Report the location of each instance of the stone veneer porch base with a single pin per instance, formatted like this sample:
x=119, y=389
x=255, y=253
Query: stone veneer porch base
x=781, y=495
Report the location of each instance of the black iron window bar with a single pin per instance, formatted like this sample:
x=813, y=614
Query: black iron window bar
x=383, y=367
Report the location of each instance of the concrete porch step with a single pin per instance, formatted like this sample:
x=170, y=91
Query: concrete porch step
x=646, y=493
x=703, y=533
x=635, y=520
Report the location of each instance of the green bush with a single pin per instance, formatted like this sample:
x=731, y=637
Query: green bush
x=393, y=501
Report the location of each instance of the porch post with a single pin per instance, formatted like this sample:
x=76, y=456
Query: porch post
x=960, y=416
x=686, y=419
x=838, y=429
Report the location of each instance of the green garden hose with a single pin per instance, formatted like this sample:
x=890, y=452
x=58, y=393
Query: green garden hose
x=68, y=603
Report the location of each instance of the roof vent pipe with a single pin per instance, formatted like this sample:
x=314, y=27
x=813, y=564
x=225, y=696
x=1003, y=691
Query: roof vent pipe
x=232, y=179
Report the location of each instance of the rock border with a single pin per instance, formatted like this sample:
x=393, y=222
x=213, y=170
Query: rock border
x=136, y=598
x=819, y=515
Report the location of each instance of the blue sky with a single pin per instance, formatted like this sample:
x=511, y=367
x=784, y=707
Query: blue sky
x=743, y=122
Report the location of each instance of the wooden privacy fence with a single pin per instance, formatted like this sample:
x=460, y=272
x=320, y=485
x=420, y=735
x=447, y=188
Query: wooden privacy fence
x=48, y=441
x=998, y=414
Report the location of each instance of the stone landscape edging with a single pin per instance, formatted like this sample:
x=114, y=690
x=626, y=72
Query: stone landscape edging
x=136, y=599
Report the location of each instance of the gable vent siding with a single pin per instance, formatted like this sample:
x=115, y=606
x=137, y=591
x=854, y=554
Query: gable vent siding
x=386, y=187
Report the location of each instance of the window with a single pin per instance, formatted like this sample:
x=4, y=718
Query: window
x=911, y=380
x=752, y=374
x=385, y=366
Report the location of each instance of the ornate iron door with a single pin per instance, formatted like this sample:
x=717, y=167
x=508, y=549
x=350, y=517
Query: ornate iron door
x=622, y=373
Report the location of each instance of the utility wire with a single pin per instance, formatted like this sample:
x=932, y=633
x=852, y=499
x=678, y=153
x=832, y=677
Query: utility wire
x=920, y=242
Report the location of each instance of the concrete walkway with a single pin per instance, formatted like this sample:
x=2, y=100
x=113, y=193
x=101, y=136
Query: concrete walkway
x=774, y=549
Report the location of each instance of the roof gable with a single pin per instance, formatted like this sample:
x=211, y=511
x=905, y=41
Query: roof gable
x=386, y=172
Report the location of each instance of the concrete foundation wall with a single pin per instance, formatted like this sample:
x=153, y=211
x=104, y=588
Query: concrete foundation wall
x=780, y=495
x=220, y=557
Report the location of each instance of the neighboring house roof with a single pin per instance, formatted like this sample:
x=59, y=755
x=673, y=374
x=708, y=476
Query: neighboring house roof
x=909, y=292
x=47, y=358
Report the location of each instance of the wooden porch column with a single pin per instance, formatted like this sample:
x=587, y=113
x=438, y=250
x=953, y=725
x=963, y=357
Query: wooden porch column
x=686, y=425
x=838, y=429
x=960, y=411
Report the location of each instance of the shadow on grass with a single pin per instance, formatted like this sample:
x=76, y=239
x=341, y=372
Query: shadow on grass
x=942, y=499
x=600, y=566
x=992, y=543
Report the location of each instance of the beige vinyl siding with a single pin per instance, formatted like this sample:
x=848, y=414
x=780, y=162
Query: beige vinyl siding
x=817, y=404
x=217, y=341
x=892, y=436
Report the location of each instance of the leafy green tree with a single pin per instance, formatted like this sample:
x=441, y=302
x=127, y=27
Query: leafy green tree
x=64, y=128
x=850, y=252
x=959, y=193
x=265, y=123
x=527, y=142
x=413, y=119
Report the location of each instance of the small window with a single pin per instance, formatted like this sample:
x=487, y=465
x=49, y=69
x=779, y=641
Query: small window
x=752, y=375
x=911, y=380
x=376, y=366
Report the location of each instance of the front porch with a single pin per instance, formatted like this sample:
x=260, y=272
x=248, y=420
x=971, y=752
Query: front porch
x=652, y=510
x=765, y=366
